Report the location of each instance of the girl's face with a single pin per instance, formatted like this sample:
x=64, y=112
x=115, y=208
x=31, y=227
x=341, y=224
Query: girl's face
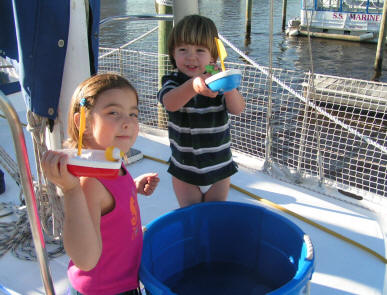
x=192, y=59
x=113, y=121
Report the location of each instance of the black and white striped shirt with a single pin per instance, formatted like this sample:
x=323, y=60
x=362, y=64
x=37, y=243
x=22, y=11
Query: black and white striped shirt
x=199, y=135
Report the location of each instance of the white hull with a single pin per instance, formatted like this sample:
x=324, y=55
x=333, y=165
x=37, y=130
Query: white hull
x=330, y=23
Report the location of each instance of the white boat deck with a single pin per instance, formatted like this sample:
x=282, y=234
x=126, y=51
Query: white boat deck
x=341, y=268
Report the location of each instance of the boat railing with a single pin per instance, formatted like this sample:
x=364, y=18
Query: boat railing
x=158, y=17
x=325, y=133
x=28, y=190
x=152, y=21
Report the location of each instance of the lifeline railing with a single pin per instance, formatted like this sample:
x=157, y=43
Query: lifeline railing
x=329, y=134
x=158, y=17
x=28, y=190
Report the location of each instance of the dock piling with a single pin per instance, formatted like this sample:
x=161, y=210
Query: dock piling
x=165, y=27
x=248, y=22
x=381, y=43
x=284, y=6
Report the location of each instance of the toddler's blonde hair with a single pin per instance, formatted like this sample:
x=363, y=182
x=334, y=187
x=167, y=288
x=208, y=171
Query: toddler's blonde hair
x=194, y=30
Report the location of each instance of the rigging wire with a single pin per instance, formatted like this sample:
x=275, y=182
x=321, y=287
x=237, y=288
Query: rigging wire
x=269, y=114
x=311, y=90
x=300, y=96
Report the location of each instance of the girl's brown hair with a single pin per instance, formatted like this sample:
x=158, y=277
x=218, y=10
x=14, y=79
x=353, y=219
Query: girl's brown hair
x=194, y=30
x=90, y=89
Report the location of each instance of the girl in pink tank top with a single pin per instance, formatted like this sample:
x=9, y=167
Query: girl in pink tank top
x=102, y=228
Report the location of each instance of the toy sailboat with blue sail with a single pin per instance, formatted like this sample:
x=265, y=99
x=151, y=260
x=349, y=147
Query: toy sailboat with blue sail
x=226, y=80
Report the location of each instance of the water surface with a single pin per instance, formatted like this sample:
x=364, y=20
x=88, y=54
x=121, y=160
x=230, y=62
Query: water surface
x=332, y=57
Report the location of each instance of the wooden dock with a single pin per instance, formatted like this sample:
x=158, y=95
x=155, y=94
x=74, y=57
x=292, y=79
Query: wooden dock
x=344, y=92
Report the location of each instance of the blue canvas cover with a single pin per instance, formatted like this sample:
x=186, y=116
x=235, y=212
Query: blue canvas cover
x=8, y=43
x=35, y=33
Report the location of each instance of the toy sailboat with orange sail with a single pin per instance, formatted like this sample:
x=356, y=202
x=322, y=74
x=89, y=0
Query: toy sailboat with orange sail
x=225, y=80
x=89, y=162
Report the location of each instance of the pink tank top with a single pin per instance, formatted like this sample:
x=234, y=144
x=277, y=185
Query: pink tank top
x=121, y=232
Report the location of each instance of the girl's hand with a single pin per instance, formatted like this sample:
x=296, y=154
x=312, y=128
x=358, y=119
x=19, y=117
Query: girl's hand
x=147, y=183
x=54, y=165
x=200, y=86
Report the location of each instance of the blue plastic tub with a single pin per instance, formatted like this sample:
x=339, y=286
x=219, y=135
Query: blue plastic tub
x=225, y=248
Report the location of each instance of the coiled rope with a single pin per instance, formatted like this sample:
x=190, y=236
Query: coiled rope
x=15, y=232
x=50, y=204
x=15, y=235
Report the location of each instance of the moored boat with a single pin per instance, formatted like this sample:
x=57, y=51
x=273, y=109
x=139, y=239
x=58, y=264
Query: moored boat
x=345, y=20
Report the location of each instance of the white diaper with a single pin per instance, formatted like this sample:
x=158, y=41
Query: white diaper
x=204, y=188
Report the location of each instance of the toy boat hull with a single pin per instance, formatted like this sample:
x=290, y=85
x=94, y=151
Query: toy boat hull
x=92, y=171
x=224, y=81
x=92, y=163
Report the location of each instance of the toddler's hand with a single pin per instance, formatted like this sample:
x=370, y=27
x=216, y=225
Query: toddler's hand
x=147, y=183
x=54, y=165
x=216, y=67
x=200, y=86
x=212, y=69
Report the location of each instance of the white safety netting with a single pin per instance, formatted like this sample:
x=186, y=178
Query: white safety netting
x=330, y=129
